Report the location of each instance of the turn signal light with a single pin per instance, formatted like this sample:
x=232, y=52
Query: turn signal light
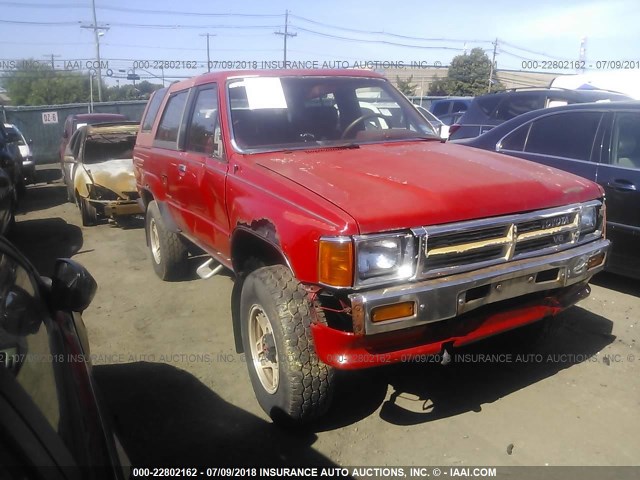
x=595, y=261
x=335, y=262
x=391, y=312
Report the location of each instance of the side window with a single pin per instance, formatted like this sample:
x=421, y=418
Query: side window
x=488, y=103
x=515, y=140
x=440, y=108
x=514, y=105
x=152, y=111
x=625, y=148
x=569, y=135
x=172, y=118
x=203, y=134
x=459, y=107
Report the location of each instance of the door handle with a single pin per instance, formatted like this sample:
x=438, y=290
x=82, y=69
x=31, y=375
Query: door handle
x=622, y=185
x=182, y=168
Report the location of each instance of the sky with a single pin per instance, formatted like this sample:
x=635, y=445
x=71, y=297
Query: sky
x=163, y=37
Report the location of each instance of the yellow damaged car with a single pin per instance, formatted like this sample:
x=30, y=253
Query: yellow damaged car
x=98, y=171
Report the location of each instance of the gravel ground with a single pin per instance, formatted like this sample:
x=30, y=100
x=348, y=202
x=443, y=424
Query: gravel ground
x=179, y=393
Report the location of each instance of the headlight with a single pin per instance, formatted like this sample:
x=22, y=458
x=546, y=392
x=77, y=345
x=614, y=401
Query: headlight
x=385, y=257
x=588, y=219
x=592, y=221
x=98, y=192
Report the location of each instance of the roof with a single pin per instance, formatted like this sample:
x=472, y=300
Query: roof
x=223, y=76
x=93, y=116
x=114, y=127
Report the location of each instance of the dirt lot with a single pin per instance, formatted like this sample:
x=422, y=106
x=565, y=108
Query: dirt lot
x=180, y=395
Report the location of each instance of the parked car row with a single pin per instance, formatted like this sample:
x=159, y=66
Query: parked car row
x=487, y=111
x=11, y=179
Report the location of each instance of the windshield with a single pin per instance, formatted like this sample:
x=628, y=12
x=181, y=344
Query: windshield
x=108, y=146
x=275, y=113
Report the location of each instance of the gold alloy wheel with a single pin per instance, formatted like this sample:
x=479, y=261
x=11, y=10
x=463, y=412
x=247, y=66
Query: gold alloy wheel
x=264, y=353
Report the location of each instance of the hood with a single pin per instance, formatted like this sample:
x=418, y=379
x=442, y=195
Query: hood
x=395, y=186
x=116, y=175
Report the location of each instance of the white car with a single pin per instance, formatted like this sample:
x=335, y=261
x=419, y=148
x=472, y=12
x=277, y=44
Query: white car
x=28, y=165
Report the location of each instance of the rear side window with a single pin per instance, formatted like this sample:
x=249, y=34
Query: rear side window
x=488, y=104
x=626, y=141
x=516, y=139
x=514, y=105
x=459, y=107
x=569, y=135
x=172, y=118
x=152, y=111
x=440, y=108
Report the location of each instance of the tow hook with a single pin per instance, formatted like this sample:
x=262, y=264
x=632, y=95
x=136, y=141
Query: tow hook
x=205, y=271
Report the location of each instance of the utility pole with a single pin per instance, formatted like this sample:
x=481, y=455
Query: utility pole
x=493, y=62
x=53, y=65
x=286, y=34
x=583, y=53
x=96, y=33
x=208, y=55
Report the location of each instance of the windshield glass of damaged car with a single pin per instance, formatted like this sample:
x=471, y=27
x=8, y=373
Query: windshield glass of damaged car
x=271, y=113
x=109, y=146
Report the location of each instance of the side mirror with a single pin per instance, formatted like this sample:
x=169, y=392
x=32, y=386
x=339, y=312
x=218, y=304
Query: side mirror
x=30, y=141
x=72, y=286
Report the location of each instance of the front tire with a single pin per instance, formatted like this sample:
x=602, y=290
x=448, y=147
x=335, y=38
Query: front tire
x=168, y=252
x=290, y=383
x=88, y=213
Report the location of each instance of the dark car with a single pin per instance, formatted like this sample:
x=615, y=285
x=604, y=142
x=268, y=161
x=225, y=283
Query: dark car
x=450, y=109
x=11, y=159
x=8, y=201
x=487, y=111
x=24, y=147
x=598, y=141
x=51, y=423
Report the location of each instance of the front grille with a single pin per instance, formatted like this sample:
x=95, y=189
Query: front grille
x=473, y=244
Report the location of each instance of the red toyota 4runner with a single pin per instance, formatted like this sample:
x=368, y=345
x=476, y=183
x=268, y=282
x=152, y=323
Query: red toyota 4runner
x=356, y=236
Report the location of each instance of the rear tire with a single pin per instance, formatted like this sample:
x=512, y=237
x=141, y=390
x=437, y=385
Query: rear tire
x=168, y=252
x=88, y=213
x=290, y=383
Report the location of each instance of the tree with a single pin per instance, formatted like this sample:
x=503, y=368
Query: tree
x=467, y=75
x=36, y=83
x=405, y=86
x=140, y=91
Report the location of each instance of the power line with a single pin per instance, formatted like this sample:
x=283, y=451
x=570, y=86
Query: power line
x=383, y=42
x=138, y=10
x=382, y=32
x=51, y=24
x=542, y=54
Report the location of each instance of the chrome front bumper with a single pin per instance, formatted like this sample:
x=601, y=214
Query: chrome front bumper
x=446, y=297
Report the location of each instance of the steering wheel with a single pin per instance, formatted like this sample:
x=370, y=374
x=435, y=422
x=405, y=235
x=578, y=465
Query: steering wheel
x=358, y=120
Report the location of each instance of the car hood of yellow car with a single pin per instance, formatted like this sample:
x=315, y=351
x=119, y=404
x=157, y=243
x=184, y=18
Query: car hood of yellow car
x=116, y=175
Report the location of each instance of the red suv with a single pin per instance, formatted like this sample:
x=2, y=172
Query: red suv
x=355, y=242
